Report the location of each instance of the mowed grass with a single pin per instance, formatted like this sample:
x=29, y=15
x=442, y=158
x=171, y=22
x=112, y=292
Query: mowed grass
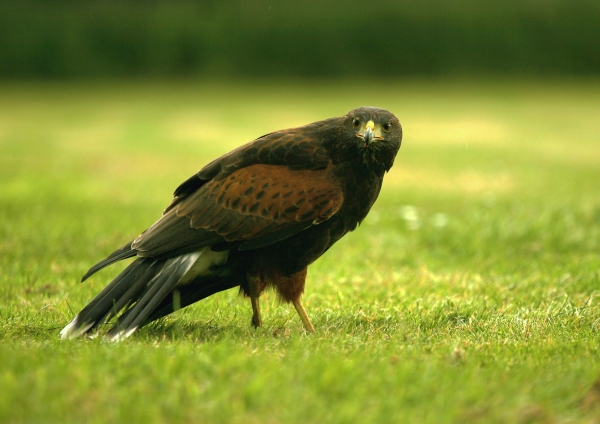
x=469, y=294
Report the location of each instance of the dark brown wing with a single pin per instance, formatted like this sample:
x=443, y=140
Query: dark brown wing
x=272, y=196
x=257, y=194
x=257, y=205
x=296, y=148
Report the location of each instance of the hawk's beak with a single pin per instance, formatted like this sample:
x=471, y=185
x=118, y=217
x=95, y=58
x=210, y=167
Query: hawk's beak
x=368, y=135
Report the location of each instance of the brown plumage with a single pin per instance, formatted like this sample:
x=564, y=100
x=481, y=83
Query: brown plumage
x=254, y=218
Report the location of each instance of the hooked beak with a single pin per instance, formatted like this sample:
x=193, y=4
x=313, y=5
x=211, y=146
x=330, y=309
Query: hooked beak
x=368, y=135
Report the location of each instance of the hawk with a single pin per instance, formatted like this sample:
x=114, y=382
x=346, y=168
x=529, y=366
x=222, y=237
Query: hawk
x=254, y=218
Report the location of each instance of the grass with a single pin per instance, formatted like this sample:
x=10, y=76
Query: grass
x=469, y=294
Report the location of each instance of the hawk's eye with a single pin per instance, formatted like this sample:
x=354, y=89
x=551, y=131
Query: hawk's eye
x=386, y=127
x=356, y=122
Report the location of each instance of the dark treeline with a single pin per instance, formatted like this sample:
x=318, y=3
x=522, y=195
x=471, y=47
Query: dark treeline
x=60, y=39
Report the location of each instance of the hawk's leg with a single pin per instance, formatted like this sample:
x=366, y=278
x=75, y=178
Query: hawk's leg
x=303, y=315
x=256, y=319
x=255, y=287
x=290, y=288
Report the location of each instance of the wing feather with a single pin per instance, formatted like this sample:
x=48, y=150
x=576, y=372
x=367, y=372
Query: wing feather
x=274, y=196
x=262, y=203
x=264, y=191
x=296, y=148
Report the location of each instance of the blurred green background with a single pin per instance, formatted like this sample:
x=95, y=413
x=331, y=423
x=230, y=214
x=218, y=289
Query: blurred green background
x=60, y=39
x=469, y=294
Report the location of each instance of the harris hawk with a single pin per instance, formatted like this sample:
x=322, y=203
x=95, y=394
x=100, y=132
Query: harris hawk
x=253, y=218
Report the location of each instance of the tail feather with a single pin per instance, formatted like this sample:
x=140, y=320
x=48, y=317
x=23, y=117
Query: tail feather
x=133, y=292
x=118, y=255
x=158, y=288
x=105, y=302
x=193, y=292
x=149, y=289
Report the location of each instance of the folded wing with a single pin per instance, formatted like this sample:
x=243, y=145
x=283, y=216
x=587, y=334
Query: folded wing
x=256, y=206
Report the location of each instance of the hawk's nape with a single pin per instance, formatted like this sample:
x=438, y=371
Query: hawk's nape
x=253, y=218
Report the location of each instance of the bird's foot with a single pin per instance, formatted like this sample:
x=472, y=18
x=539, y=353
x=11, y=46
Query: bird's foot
x=256, y=319
x=303, y=316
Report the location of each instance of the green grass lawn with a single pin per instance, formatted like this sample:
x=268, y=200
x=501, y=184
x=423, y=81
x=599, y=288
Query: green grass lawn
x=469, y=294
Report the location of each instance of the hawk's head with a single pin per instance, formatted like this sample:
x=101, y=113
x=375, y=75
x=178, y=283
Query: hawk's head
x=373, y=134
